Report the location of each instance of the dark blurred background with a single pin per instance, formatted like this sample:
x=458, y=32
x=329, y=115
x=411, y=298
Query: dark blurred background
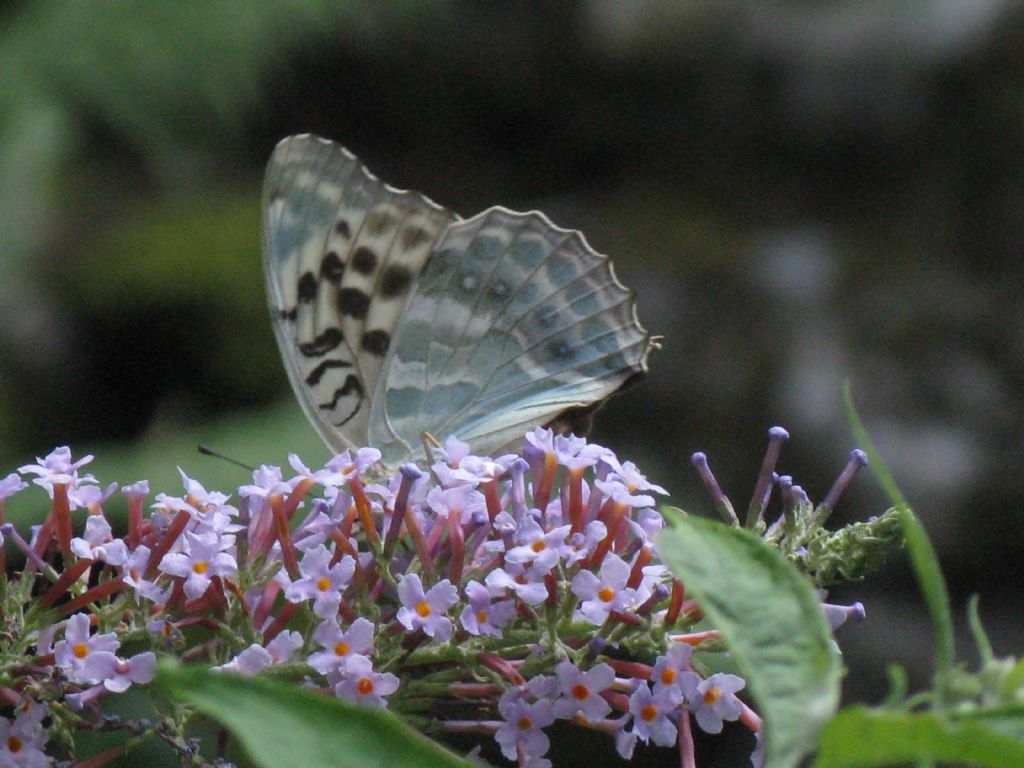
x=801, y=193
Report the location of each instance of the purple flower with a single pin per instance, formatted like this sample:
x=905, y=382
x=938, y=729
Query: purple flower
x=204, y=557
x=364, y=686
x=344, y=466
x=580, y=691
x=522, y=727
x=340, y=646
x=605, y=593
x=426, y=611
x=528, y=586
x=99, y=544
x=321, y=581
x=537, y=550
x=574, y=453
x=11, y=485
x=667, y=668
x=481, y=616
x=58, y=469
x=712, y=700
x=22, y=741
x=117, y=674
x=462, y=500
x=257, y=657
x=654, y=714
x=74, y=650
x=134, y=576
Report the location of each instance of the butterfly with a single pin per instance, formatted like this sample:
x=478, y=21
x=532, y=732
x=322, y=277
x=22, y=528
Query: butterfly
x=396, y=317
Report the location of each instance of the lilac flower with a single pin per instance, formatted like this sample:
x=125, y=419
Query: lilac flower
x=138, y=490
x=528, y=587
x=204, y=557
x=117, y=674
x=580, y=691
x=618, y=492
x=712, y=700
x=344, y=466
x=134, y=576
x=481, y=616
x=667, y=668
x=581, y=545
x=364, y=686
x=605, y=593
x=22, y=741
x=257, y=657
x=321, y=581
x=462, y=500
x=631, y=476
x=654, y=714
x=11, y=485
x=74, y=650
x=266, y=482
x=195, y=490
x=537, y=550
x=340, y=646
x=522, y=727
x=426, y=610
x=99, y=544
x=574, y=453
x=58, y=469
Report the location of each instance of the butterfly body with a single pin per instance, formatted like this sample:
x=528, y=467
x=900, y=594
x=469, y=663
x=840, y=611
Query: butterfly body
x=395, y=316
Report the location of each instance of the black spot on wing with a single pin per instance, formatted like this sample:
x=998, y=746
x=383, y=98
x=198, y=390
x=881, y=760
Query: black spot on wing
x=364, y=260
x=379, y=221
x=287, y=314
x=307, y=287
x=342, y=228
x=323, y=343
x=353, y=302
x=317, y=373
x=376, y=342
x=352, y=384
x=332, y=268
x=413, y=236
x=395, y=281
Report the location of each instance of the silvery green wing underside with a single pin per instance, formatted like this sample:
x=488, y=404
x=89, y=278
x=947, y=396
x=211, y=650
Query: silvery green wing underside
x=512, y=322
x=342, y=251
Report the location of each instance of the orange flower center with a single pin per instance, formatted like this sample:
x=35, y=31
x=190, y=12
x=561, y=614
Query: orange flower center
x=538, y=546
x=365, y=686
x=199, y=567
x=711, y=695
x=81, y=650
x=14, y=745
x=481, y=616
x=648, y=712
x=668, y=676
x=524, y=723
x=580, y=691
x=323, y=583
x=422, y=608
x=341, y=648
x=606, y=594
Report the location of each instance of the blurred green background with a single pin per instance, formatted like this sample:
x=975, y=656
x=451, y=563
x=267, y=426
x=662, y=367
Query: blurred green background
x=800, y=193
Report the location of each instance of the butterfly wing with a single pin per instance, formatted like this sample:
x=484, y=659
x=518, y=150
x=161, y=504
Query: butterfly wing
x=512, y=323
x=342, y=251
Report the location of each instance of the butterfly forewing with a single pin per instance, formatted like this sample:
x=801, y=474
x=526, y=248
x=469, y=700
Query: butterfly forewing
x=342, y=251
x=512, y=322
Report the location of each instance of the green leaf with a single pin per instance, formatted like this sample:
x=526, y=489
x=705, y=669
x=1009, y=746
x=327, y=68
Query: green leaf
x=771, y=621
x=280, y=724
x=922, y=554
x=859, y=738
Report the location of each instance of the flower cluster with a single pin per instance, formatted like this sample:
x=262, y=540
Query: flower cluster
x=485, y=595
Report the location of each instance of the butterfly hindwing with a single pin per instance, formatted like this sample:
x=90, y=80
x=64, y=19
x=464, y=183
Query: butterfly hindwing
x=513, y=322
x=342, y=251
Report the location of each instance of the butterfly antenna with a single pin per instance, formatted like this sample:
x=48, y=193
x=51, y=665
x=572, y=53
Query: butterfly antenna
x=429, y=444
x=208, y=451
